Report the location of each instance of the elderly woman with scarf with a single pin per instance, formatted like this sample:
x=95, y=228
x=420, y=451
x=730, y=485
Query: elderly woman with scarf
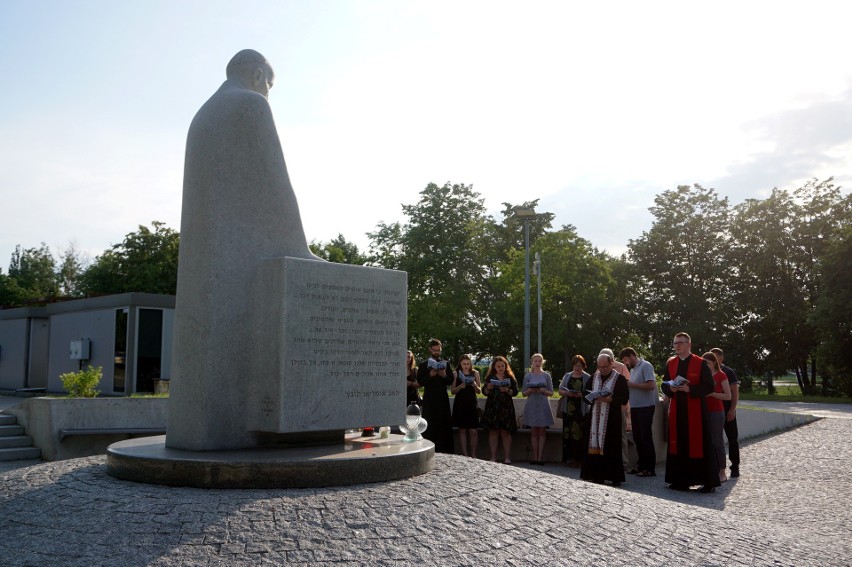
x=603, y=425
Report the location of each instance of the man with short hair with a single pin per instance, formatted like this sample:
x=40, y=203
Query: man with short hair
x=643, y=401
x=687, y=380
x=435, y=375
x=625, y=410
x=603, y=452
x=731, y=431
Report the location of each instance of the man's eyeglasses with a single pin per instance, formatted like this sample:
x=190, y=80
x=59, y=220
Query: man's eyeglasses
x=679, y=343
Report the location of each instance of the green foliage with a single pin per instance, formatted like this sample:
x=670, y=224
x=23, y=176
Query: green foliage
x=338, y=250
x=577, y=303
x=746, y=384
x=82, y=384
x=146, y=261
x=780, y=250
x=442, y=247
x=70, y=271
x=10, y=292
x=676, y=282
x=31, y=278
x=832, y=317
x=35, y=278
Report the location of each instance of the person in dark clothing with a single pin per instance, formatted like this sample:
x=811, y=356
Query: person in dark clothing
x=435, y=375
x=411, y=386
x=731, y=431
x=690, y=460
x=603, y=426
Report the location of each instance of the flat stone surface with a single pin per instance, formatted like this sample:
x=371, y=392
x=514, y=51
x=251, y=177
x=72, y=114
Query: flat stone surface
x=789, y=507
x=357, y=460
x=320, y=323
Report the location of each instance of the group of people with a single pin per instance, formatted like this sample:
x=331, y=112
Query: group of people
x=500, y=385
x=699, y=391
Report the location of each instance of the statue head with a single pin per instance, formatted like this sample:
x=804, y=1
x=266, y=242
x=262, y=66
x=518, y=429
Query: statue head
x=251, y=70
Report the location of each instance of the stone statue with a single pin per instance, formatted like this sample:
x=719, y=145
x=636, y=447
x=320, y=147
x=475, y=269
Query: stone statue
x=238, y=208
x=275, y=354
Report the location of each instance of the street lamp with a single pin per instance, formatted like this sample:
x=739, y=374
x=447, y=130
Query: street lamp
x=537, y=272
x=526, y=214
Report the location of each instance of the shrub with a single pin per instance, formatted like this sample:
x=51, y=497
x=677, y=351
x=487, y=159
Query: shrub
x=82, y=384
x=751, y=385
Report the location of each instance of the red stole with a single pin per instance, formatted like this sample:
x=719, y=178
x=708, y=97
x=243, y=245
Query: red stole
x=693, y=409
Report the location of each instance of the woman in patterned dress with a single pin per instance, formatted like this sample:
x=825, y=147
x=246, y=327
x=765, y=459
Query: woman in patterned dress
x=499, y=416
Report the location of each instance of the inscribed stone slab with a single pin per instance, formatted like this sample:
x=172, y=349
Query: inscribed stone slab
x=329, y=348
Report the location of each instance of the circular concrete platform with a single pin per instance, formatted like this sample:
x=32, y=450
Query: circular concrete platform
x=358, y=460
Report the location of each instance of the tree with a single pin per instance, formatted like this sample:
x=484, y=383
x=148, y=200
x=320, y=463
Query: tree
x=146, y=261
x=823, y=216
x=832, y=317
x=678, y=283
x=768, y=298
x=339, y=250
x=34, y=273
x=10, y=293
x=70, y=272
x=442, y=246
x=578, y=293
x=779, y=246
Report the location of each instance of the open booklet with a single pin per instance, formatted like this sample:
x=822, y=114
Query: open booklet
x=679, y=381
x=501, y=383
x=592, y=396
x=466, y=379
x=436, y=364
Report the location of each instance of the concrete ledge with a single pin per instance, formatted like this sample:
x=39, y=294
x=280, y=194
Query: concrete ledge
x=63, y=433
x=356, y=461
x=107, y=420
x=751, y=422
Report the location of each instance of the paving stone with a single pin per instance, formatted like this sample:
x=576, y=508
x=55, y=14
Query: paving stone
x=789, y=507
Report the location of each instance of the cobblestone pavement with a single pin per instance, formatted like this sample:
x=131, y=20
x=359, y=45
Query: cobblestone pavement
x=789, y=507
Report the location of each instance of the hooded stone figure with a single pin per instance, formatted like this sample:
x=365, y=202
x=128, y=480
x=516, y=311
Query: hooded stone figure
x=238, y=209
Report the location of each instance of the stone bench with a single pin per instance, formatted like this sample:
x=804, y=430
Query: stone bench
x=521, y=439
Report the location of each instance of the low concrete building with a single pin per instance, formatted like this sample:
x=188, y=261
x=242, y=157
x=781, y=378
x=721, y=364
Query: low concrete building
x=129, y=335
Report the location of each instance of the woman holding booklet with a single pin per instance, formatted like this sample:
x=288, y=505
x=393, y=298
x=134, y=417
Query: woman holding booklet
x=538, y=387
x=572, y=389
x=499, y=415
x=465, y=410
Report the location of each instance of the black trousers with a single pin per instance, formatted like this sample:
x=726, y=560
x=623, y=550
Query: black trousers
x=642, y=419
x=732, y=434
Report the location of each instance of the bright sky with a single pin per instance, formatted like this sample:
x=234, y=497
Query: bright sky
x=593, y=107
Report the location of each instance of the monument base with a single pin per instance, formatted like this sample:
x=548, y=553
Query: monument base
x=358, y=460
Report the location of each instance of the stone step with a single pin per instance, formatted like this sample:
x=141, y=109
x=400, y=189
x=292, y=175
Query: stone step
x=20, y=453
x=16, y=441
x=6, y=419
x=11, y=430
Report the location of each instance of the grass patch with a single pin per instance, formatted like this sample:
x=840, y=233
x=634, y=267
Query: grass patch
x=795, y=397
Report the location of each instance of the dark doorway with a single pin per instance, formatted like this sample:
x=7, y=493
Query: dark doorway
x=120, y=350
x=149, y=349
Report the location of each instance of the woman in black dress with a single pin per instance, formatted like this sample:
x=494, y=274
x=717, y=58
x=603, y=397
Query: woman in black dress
x=465, y=412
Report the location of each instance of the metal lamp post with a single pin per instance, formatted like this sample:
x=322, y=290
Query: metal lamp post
x=537, y=267
x=526, y=214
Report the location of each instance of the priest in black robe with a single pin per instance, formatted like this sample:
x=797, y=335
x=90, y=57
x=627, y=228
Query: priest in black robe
x=690, y=460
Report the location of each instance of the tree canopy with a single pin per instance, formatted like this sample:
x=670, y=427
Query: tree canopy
x=767, y=280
